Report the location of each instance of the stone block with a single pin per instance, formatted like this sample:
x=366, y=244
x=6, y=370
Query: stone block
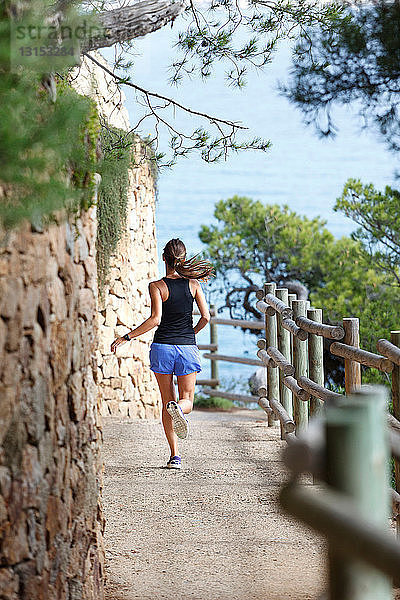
x=32, y=585
x=117, y=289
x=90, y=266
x=76, y=350
x=57, y=242
x=106, y=391
x=68, y=277
x=128, y=387
x=99, y=358
x=7, y=402
x=32, y=472
x=149, y=412
x=45, y=450
x=11, y=292
x=124, y=269
x=123, y=408
x=15, y=545
x=43, y=311
x=113, y=274
x=81, y=248
x=118, y=395
x=56, y=294
x=125, y=314
x=34, y=266
x=116, y=382
x=3, y=335
x=76, y=396
x=51, y=268
x=152, y=398
x=104, y=409
x=86, y=304
x=3, y=512
x=132, y=220
x=110, y=366
x=79, y=275
x=110, y=317
x=59, y=409
x=126, y=367
x=139, y=410
x=60, y=355
x=11, y=369
x=54, y=515
x=99, y=376
x=106, y=338
x=112, y=407
x=34, y=400
x=114, y=301
x=90, y=387
x=110, y=393
x=9, y=583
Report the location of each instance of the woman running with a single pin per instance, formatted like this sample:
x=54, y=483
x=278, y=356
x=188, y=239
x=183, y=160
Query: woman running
x=174, y=349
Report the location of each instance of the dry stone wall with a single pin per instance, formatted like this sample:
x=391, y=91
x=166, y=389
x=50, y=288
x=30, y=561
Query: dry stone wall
x=126, y=385
x=57, y=376
x=51, y=519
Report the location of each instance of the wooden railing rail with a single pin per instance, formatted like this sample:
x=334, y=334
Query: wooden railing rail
x=346, y=450
x=210, y=386
x=234, y=359
x=335, y=332
x=305, y=394
x=291, y=351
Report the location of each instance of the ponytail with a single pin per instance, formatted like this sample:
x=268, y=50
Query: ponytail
x=193, y=268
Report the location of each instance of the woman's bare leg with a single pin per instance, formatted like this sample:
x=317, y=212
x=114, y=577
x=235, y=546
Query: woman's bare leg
x=186, y=385
x=167, y=390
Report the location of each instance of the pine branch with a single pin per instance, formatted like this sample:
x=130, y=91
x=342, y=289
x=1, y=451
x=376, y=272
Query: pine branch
x=170, y=101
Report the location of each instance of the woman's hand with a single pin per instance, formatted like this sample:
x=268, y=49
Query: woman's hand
x=117, y=343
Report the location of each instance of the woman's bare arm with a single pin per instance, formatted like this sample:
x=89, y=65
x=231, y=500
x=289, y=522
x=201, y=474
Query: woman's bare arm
x=153, y=321
x=203, y=308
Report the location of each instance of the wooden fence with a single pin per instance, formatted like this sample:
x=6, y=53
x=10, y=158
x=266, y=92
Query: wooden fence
x=345, y=445
x=211, y=386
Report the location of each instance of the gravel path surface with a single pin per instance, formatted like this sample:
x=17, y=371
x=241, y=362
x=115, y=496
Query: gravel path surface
x=212, y=531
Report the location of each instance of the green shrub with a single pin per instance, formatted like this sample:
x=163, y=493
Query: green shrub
x=112, y=199
x=120, y=152
x=47, y=148
x=213, y=402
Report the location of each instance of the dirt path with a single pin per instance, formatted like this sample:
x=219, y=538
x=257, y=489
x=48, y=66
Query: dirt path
x=212, y=531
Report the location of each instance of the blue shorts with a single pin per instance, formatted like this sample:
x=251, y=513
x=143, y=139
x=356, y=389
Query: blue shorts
x=175, y=359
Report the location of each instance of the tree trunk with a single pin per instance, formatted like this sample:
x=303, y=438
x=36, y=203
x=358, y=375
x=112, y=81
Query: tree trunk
x=129, y=22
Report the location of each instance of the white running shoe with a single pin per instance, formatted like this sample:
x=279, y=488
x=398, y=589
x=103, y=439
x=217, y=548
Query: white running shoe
x=174, y=462
x=179, y=423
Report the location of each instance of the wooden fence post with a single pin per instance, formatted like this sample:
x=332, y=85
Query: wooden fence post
x=395, y=339
x=357, y=459
x=284, y=348
x=352, y=369
x=316, y=359
x=271, y=337
x=214, y=340
x=291, y=297
x=300, y=363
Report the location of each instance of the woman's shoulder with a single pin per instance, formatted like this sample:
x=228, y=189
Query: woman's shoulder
x=158, y=283
x=195, y=282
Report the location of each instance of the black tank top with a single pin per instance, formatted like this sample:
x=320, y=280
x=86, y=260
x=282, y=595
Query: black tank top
x=176, y=325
